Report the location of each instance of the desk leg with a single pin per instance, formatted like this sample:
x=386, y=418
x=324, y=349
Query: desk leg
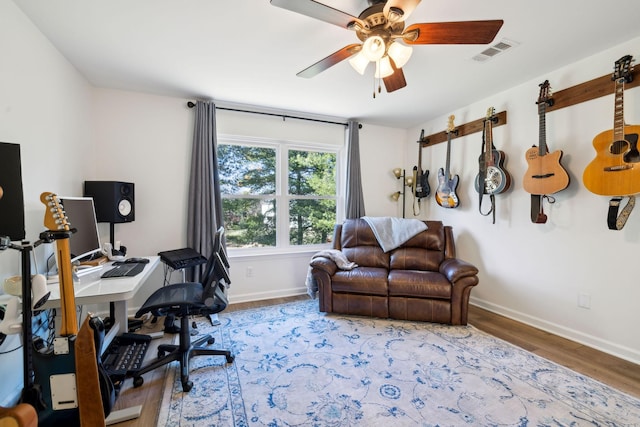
x=121, y=315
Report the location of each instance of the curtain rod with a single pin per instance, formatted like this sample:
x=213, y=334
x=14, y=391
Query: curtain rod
x=191, y=104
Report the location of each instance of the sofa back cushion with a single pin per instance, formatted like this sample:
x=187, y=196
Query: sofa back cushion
x=425, y=251
x=357, y=241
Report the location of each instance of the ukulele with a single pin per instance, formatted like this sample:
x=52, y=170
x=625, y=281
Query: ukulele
x=446, y=192
x=492, y=177
x=615, y=170
x=545, y=174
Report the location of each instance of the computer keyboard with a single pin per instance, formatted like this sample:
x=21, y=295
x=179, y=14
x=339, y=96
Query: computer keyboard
x=123, y=270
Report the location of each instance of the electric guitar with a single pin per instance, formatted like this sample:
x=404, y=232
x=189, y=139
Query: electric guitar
x=545, y=174
x=615, y=171
x=492, y=177
x=446, y=192
x=54, y=366
x=422, y=188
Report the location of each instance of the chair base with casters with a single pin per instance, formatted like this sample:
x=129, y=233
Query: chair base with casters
x=180, y=299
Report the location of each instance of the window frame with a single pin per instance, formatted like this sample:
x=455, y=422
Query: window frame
x=282, y=196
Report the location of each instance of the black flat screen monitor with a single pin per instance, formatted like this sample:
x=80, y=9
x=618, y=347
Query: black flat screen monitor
x=11, y=199
x=84, y=244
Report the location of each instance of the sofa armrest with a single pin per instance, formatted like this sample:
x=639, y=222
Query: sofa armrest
x=455, y=269
x=324, y=264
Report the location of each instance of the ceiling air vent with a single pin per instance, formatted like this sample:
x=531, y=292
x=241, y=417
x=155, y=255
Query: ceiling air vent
x=494, y=50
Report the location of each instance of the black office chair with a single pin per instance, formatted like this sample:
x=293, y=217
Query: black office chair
x=188, y=299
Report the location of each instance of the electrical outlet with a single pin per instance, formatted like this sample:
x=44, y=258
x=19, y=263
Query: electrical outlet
x=584, y=300
x=249, y=271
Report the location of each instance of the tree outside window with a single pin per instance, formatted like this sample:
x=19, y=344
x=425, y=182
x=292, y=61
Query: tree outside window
x=261, y=183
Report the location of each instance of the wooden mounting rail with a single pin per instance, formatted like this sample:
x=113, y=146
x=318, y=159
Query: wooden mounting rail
x=587, y=91
x=462, y=130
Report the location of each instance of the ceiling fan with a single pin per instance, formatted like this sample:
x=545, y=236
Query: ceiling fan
x=381, y=29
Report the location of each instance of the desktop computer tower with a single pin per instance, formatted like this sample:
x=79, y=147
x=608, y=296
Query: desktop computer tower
x=114, y=200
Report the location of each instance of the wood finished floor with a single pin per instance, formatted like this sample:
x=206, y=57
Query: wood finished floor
x=618, y=373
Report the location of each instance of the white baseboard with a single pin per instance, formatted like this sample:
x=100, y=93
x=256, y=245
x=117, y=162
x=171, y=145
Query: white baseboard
x=611, y=348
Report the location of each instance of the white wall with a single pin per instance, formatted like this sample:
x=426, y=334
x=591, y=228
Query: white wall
x=535, y=272
x=45, y=106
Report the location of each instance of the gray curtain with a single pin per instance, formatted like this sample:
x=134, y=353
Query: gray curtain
x=204, y=212
x=354, y=197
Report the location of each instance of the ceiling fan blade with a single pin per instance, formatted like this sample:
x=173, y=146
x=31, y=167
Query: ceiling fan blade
x=407, y=7
x=396, y=80
x=464, y=32
x=316, y=10
x=330, y=61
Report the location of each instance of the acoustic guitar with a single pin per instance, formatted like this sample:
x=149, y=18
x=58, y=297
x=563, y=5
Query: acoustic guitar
x=492, y=177
x=21, y=415
x=446, y=192
x=615, y=171
x=545, y=174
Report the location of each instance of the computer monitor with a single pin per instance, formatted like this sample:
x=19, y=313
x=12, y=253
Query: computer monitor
x=84, y=244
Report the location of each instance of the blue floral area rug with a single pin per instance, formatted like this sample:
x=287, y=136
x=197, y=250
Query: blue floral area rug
x=295, y=366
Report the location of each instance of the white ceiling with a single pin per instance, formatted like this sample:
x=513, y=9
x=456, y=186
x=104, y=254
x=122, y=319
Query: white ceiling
x=248, y=51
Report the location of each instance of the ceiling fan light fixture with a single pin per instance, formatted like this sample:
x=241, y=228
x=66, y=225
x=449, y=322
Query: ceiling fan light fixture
x=383, y=68
x=395, y=14
x=359, y=62
x=373, y=48
x=400, y=53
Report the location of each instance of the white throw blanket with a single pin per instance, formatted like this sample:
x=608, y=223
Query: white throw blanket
x=338, y=257
x=392, y=232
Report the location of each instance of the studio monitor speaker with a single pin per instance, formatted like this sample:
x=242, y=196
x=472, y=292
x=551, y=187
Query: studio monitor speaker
x=114, y=200
x=11, y=199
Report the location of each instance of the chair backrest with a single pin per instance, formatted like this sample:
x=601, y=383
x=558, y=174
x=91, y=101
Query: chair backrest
x=216, y=278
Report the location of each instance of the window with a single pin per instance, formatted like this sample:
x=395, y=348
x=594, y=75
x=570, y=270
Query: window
x=278, y=194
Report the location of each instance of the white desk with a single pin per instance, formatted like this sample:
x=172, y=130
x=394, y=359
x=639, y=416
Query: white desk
x=94, y=290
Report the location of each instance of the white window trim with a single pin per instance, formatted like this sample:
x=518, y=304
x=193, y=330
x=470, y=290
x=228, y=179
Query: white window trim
x=282, y=244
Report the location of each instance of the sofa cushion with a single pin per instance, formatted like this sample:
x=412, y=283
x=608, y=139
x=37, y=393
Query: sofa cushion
x=424, y=251
x=419, y=284
x=361, y=280
x=359, y=244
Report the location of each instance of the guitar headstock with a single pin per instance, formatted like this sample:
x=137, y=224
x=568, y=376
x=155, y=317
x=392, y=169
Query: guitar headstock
x=491, y=111
x=450, y=125
x=54, y=216
x=622, y=70
x=545, y=93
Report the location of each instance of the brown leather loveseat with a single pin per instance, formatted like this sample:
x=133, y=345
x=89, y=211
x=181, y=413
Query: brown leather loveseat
x=420, y=280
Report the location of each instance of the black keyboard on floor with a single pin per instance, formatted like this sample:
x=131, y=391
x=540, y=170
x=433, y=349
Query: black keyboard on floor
x=125, y=354
x=123, y=270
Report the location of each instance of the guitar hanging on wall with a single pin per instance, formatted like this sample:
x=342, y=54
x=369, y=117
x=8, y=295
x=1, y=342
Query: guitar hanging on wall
x=446, y=192
x=545, y=175
x=420, y=180
x=492, y=177
x=615, y=171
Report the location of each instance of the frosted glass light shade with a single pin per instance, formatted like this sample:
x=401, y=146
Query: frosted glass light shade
x=383, y=68
x=359, y=62
x=373, y=48
x=400, y=53
x=395, y=196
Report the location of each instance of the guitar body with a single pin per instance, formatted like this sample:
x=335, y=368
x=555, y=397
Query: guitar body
x=422, y=185
x=446, y=192
x=615, y=171
x=495, y=179
x=50, y=367
x=545, y=174
x=22, y=415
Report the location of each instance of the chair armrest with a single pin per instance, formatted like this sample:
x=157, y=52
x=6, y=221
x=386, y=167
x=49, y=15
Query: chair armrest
x=455, y=269
x=324, y=264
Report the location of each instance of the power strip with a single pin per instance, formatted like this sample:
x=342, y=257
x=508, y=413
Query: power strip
x=155, y=335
